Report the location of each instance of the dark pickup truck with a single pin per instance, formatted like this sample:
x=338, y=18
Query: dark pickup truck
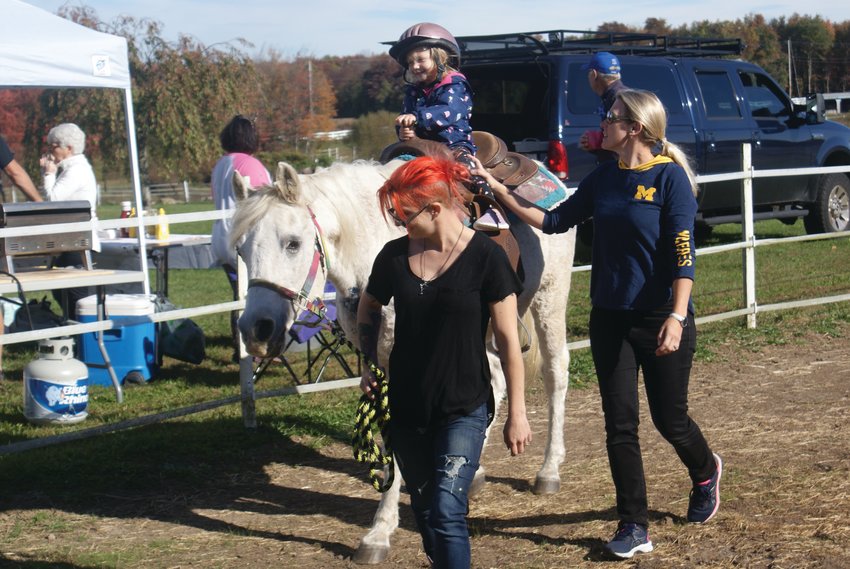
x=531, y=91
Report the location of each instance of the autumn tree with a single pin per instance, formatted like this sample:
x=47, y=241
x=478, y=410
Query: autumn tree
x=811, y=41
x=364, y=84
x=373, y=132
x=297, y=100
x=186, y=92
x=183, y=93
x=762, y=46
x=657, y=26
x=839, y=58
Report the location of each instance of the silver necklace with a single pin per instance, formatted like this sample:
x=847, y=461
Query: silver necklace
x=425, y=282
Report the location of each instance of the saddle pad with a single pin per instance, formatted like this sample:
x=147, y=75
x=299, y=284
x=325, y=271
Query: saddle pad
x=543, y=189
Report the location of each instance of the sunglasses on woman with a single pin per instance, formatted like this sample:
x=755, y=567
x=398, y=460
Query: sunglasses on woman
x=404, y=222
x=612, y=117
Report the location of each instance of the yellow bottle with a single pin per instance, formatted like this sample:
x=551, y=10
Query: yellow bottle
x=132, y=231
x=162, y=231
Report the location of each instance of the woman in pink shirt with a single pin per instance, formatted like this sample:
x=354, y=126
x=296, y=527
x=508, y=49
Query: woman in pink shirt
x=240, y=141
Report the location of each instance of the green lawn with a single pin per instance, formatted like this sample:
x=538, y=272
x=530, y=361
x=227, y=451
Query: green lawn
x=792, y=271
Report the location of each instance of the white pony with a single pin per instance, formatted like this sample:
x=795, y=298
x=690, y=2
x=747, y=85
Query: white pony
x=302, y=230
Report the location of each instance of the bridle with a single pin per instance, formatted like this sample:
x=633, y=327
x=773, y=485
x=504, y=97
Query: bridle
x=300, y=299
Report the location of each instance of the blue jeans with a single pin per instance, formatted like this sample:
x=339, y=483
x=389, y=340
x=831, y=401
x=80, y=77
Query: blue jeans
x=438, y=466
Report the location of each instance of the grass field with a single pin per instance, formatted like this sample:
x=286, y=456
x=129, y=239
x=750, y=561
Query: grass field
x=788, y=271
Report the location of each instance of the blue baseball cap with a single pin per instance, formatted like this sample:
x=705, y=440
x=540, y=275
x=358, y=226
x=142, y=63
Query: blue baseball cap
x=603, y=62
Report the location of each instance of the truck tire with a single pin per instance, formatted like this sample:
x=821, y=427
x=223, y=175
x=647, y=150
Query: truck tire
x=831, y=210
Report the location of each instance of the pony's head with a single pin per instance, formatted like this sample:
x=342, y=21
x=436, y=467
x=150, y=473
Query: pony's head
x=277, y=236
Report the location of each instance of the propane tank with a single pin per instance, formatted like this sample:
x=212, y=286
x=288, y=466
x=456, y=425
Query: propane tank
x=56, y=386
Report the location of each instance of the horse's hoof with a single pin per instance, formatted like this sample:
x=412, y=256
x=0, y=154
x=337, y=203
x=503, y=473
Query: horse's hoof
x=477, y=485
x=370, y=554
x=546, y=486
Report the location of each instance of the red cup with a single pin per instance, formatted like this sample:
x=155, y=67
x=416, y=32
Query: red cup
x=594, y=139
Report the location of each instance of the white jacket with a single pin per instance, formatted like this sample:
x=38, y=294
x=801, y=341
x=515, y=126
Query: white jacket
x=74, y=180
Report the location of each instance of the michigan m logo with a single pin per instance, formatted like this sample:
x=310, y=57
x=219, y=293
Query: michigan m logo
x=645, y=193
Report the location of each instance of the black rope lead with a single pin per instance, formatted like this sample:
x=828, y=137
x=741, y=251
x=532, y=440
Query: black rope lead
x=374, y=413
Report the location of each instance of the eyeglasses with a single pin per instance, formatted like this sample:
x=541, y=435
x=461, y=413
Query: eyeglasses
x=405, y=222
x=612, y=117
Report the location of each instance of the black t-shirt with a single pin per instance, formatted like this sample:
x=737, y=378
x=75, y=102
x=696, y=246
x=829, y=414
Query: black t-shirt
x=6, y=154
x=438, y=365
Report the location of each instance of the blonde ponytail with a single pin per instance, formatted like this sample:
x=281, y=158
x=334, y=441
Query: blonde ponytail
x=679, y=156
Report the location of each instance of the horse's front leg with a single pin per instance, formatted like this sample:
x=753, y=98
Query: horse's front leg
x=555, y=368
x=375, y=545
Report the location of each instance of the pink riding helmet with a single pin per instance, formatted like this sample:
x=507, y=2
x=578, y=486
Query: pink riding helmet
x=424, y=34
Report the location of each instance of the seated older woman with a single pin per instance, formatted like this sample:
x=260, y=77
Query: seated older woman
x=69, y=176
x=67, y=173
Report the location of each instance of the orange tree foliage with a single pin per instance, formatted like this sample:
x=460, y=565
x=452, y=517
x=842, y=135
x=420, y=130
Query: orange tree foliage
x=297, y=101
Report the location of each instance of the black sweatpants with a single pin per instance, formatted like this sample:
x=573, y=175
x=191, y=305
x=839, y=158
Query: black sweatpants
x=623, y=341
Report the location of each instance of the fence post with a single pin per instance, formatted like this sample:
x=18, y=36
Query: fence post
x=747, y=235
x=186, y=190
x=246, y=373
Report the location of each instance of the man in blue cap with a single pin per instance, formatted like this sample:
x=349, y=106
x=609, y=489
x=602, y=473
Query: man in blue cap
x=603, y=75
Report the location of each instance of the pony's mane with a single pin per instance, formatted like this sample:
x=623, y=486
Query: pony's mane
x=250, y=210
x=336, y=182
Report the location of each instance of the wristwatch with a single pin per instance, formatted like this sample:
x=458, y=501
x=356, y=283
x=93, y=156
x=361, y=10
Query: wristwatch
x=683, y=320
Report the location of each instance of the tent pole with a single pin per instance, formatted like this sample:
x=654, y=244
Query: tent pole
x=137, y=187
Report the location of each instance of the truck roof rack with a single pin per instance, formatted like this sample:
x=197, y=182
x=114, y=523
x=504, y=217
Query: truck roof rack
x=500, y=46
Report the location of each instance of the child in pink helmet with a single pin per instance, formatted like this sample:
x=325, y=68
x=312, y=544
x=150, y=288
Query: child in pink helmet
x=438, y=101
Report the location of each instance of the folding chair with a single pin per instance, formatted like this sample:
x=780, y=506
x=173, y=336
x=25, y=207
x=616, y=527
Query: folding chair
x=329, y=346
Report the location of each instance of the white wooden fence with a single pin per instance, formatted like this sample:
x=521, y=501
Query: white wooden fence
x=249, y=396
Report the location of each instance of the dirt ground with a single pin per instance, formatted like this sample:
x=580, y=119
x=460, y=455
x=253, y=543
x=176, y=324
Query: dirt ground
x=780, y=418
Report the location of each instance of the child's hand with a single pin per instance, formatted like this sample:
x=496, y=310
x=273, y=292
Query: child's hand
x=406, y=133
x=407, y=120
x=480, y=170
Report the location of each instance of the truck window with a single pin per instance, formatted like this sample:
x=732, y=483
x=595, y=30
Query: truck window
x=512, y=100
x=764, y=98
x=659, y=79
x=718, y=96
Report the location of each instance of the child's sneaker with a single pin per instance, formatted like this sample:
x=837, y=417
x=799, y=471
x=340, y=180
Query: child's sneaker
x=491, y=220
x=705, y=497
x=629, y=539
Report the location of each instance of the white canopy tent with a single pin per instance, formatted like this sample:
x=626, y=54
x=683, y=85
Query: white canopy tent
x=40, y=49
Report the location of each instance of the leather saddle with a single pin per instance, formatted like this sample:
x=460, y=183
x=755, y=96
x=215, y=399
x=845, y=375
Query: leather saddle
x=510, y=168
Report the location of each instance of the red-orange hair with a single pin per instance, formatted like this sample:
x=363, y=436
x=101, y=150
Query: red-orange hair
x=421, y=181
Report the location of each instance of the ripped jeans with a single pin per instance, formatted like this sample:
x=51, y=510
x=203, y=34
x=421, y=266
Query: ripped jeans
x=438, y=466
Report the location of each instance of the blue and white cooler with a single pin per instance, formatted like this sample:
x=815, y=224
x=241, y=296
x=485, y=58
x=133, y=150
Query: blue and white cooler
x=131, y=348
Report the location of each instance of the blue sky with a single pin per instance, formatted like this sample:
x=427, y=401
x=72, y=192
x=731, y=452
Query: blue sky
x=351, y=27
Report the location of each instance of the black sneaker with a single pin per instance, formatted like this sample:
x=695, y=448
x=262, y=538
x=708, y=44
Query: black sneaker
x=705, y=497
x=629, y=539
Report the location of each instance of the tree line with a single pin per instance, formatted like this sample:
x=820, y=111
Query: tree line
x=185, y=91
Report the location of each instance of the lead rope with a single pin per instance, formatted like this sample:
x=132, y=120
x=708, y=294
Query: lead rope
x=374, y=413
x=371, y=414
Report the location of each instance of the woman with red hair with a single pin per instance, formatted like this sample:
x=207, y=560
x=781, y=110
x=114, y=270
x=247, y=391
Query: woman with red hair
x=448, y=282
